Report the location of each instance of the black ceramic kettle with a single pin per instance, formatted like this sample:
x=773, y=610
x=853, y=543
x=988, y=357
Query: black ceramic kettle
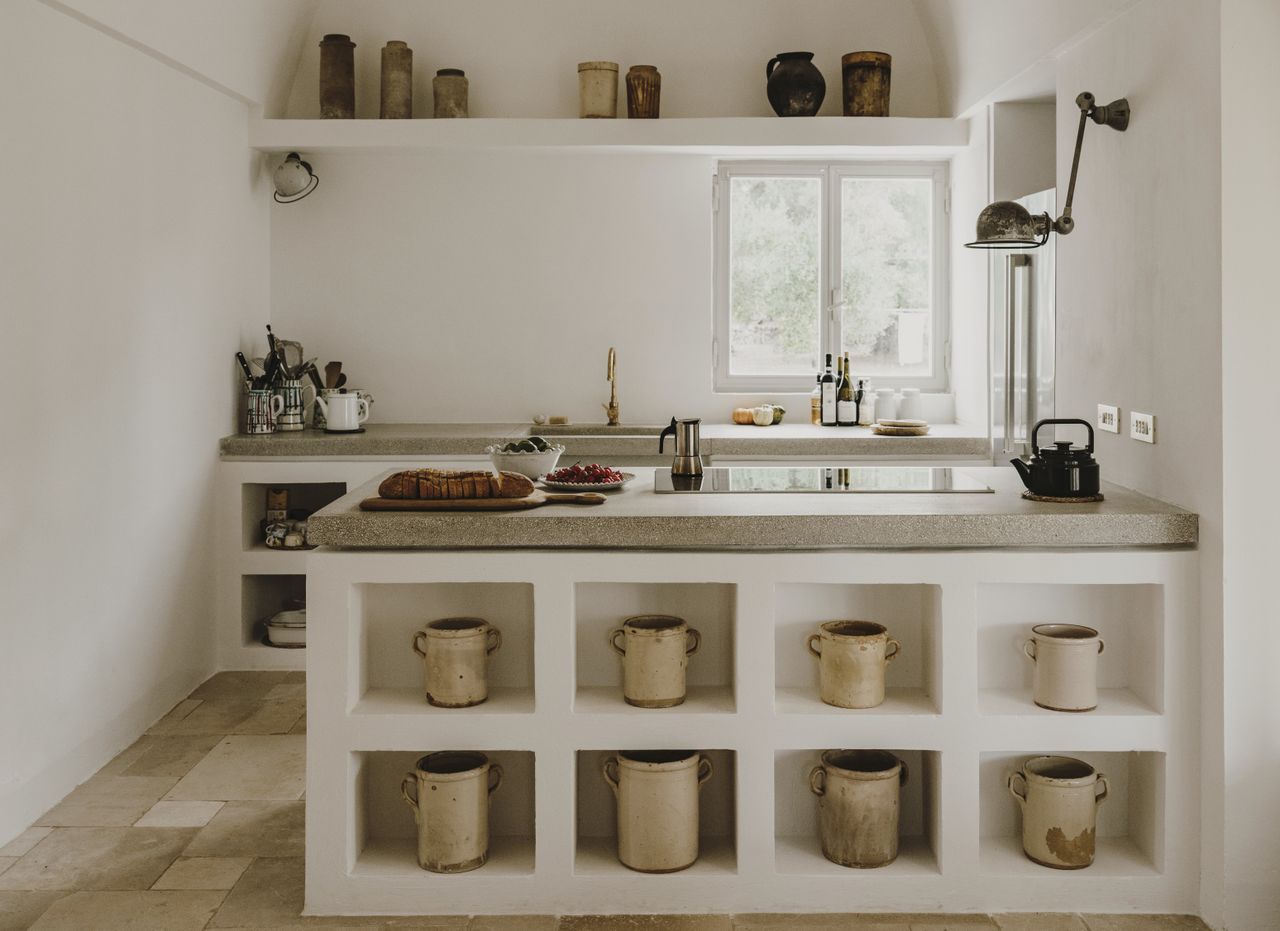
x=1061, y=470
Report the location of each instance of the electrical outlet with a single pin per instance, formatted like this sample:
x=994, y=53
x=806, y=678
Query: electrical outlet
x=1142, y=427
x=1108, y=418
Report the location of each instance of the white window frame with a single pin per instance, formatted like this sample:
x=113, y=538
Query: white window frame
x=832, y=174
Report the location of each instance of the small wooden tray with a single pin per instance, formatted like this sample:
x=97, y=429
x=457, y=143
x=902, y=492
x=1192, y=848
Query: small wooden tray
x=1051, y=500
x=535, y=500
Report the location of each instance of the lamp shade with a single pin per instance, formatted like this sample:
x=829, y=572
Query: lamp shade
x=293, y=179
x=1009, y=225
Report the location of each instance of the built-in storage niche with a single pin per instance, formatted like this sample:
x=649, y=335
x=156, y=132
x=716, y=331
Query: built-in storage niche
x=1130, y=830
x=710, y=608
x=386, y=832
x=913, y=616
x=303, y=497
x=597, y=820
x=262, y=596
x=798, y=844
x=1129, y=618
x=389, y=676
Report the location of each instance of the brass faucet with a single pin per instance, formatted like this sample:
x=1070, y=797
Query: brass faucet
x=612, y=407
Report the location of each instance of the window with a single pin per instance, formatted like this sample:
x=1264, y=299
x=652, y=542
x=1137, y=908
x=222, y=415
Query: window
x=815, y=257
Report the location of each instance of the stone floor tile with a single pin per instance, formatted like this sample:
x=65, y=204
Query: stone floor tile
x=646, y=923
x=513, y=923
x=944, y=922
x=6, y=862
x=108, y=801
x=130, y=911
x=820, y=922
x=1039, y=921
x=301, y=726
x=98, y=859
x=298, y=675
x=434, y=923
x=240, y=686
x=1144, y=923
x=170, y=756
x=177, y=713
x=23, y=843
x=216, y=717
x=179, y=815
x=269, y=895
x=247, y=767
x=209, y=873
x=19, y=910
x=252, y=829
x=271, y=717
x=126, y=758
x=295, y=692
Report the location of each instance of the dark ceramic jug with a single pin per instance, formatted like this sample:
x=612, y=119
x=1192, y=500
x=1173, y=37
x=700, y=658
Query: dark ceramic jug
x=796, y=86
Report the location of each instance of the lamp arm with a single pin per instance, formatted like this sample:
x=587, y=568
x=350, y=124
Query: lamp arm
x=1064, y=224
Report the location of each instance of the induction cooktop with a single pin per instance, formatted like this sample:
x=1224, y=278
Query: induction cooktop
x=863, y=480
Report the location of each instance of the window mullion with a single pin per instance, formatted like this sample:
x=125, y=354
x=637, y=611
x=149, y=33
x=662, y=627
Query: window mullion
x=831, y=264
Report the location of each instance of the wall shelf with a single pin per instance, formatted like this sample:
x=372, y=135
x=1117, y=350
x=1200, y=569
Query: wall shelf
x=889, y=137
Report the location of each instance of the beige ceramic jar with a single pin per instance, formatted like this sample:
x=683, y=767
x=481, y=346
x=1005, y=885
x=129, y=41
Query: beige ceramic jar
x=657, y=793
x=655, y=651
x=859, y=797
x=455, y=653
x=598, y=90
x=449, y=794
x=852, y=657
x=1066, y=666
x=1059, y=799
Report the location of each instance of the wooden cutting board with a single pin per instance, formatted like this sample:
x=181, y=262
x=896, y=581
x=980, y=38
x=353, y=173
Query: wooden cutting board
x=535, y=500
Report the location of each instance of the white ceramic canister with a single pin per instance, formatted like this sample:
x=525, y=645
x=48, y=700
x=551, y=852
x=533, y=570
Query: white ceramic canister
x=910, y=406
x=859, y=799
x=598, y=90
x=455, y=653
x=657, y=793
x=1065, y=677
x=655, y=651
x=450, y=802
x=886, y=404
x=852, y=656
x=1059, y=799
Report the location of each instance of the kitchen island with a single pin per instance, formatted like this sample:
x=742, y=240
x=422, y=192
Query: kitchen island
x=958, y=579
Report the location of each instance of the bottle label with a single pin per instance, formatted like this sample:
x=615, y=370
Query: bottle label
x=846, y=412
x=828, y=404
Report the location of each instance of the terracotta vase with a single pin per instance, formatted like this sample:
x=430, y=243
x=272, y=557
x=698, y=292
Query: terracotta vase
x=450, y=802
x=655, y=651
x=657, y=795
x=455, y=654
x=859, y=798
x=644, y=90
x=1059, y=799
x=337, y=77
x=852, y=657
x=1066, y=666
x=795, y=85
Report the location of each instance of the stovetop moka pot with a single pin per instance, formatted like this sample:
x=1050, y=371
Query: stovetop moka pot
x=687, y=433
x=1061, y=470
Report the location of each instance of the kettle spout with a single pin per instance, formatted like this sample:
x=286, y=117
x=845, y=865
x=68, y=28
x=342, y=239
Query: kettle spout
x=1023, y=471
x=669, y=430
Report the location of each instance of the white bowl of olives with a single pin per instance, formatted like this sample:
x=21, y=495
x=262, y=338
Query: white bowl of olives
x=533, y=457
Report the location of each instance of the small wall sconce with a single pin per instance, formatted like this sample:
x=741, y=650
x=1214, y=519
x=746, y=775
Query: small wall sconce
x=293, y=179
x=1009, y=225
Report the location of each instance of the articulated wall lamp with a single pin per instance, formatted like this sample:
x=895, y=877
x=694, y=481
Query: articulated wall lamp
x=293, y=179
x=1009, y=225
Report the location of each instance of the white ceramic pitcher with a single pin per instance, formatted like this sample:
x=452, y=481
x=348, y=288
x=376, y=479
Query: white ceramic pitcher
x=343, y=412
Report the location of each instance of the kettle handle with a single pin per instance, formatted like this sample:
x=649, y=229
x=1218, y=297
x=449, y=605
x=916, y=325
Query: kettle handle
x=669, y=430
x=1036, y=429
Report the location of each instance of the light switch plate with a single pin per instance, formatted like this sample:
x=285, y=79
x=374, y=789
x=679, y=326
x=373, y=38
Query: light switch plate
x=1109, y=418
x=1142, y=427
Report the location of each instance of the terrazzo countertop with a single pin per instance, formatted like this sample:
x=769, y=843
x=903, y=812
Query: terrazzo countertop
x=632, y=443
x=637, y=518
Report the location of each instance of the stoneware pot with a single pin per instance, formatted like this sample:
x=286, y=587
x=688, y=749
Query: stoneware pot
x=644, y=91
x=450, y=89
x=796, y=86
x=449, y=794
x=455, y=653
x=397, y=82
x=655, y=651
x=657, y=793
x=1059, y=799
x=337, y=77
x=865, y=81
x=1065, y=657
x=859, y=797
x=852, y=656
x=598, y=90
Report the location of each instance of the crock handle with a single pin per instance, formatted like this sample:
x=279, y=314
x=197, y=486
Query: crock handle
x=613, y=640
x=704, y=770
x=410, y=779
x=813, y=639
x=493, y=640
x=610, y=771
x=697, y=642
x=419, y=636
x=902, y=776
x=1020, y=796
x=495, y=777
x=891, y=650
x=1101, y=646
x=1030, y=649
x=768, y=69
x=818, y=781
x=1106, y=790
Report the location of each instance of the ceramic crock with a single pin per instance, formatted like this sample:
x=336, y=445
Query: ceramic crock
x=450, y=802
x=859, y=799
x=1065, y=657
x=852, y=657
x=795, y=85
x=1059, y=799
x=655, y=651
x=657, y=794
x=455, y=652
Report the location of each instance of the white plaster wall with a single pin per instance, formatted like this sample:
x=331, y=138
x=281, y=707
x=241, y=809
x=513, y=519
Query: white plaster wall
x=132, y=260
x=1139, y=294
x=522, y=57
x=1251, y=549
x=970, y=339
x=1023, y=149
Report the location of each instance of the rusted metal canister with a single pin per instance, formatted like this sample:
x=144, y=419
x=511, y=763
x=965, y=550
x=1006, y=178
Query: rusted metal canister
x=865, y=77
x=859, y=797
x=397, y=82
x=337, y=77
x=644, y=91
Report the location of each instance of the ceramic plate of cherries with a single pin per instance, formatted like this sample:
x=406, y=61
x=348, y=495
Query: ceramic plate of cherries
x=594, y=476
